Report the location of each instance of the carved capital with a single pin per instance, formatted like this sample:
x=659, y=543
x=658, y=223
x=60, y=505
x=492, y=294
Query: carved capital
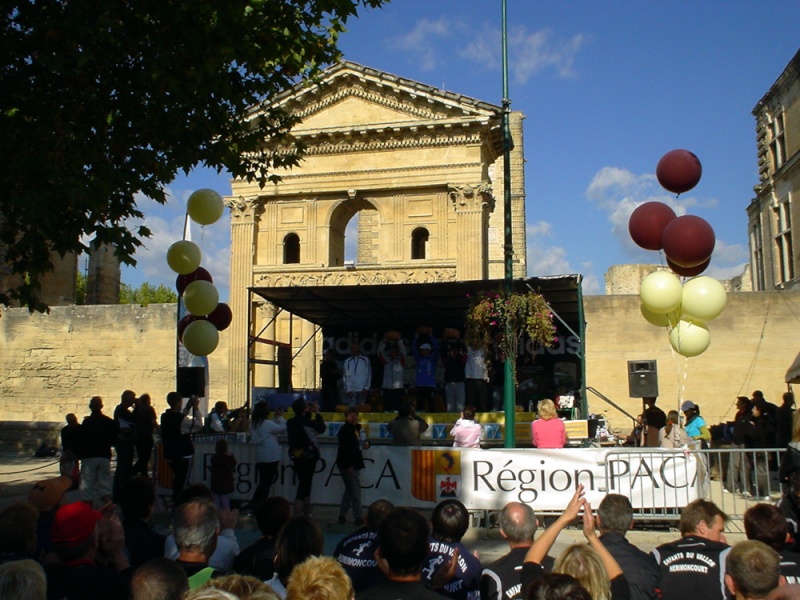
x=471, y=197
x=242, y=209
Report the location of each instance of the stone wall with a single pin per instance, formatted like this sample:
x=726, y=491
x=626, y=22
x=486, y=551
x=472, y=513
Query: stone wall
x=52, y=364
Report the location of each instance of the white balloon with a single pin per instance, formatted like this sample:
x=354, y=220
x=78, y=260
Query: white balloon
x=661, y=292
x=205, y=206
x=200, y=297
x=201, y=338
x=690, y=338
x=703, y=299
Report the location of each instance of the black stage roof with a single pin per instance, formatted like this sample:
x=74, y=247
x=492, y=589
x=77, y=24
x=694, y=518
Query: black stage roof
x=405, y=306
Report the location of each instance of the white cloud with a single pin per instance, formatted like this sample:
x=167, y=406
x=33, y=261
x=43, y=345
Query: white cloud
x=423, y=43
x=536, y=51
x=540, y=228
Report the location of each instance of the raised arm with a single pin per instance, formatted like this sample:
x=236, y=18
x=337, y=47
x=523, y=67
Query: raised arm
x=541, y=546
x=611, y=565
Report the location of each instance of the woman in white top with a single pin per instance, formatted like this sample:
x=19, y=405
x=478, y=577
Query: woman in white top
x=673, y=435
x=467, y=432
x=264, y=434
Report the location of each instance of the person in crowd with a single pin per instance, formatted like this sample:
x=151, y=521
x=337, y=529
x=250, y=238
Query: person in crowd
x=614, y=519
x=695, y=425
x=784, y=417
x=407, y=426
x=240, y=587
x=692, y=566
x=159, y=579
x=449, y=523
x=264, y=434
x=548, y=430
x=302, y=430
x=672, y=435
x=356, y=552
x=220, y=419
x=299, y=539
x=177, y=427
x=91, y=551
x=227, y=546
x=319, y=578
x=757, y=399
x=402, y=550
x=760, y=435
x=357, y=376
x=557, y=586
x=330, y=375
x=654, y=419
x=467, y=432
x=70, y=449
x=98, y=435
x=739, y=467
x=125, y=420
x=196, y=526
x=591, y=564
x=146, y=426
x=752, y=570
x=636, y=436
x=500, y=579
x=137, y=500
x=454, y=361
x=257, y=559
x=350, y=462
x=426, y=356
x=765, y=523
x=790, y=461
x=18, y=532
x=789, y=504
x=47, y=496
x=223, y=466
x=23, y=580
x=392, y=354
x=476, y=376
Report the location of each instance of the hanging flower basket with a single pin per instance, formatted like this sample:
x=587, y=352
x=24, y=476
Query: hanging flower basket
x=503, y=318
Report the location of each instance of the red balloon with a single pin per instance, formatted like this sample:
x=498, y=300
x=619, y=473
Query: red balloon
x=647, y=224
x=221, y=316
x=688, y=241
x=184, y=323
x=679, y=171
x=688, y=271
x=183, y=280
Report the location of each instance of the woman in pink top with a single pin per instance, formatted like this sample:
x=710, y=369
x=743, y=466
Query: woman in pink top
x=466, y=431
x=548, y=430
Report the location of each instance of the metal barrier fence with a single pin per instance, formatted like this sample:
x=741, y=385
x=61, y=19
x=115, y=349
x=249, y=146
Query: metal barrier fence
x=733, y=478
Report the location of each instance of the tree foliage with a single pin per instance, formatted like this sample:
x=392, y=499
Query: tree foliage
x=146, y=294
x=106, y=100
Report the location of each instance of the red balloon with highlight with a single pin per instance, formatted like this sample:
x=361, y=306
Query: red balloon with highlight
x=221, y=316
x=198, y=275
x=688, y=241
x=679, y=171
x=688, y=271
x=647, y=222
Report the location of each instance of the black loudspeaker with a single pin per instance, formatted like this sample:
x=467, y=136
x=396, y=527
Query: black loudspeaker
x=642, y=379
x=191, y=381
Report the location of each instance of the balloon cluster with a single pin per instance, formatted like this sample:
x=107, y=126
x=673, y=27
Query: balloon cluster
x=199, y=330
x=687, y=242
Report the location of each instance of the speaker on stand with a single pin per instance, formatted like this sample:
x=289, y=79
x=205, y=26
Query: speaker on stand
x=642, y=379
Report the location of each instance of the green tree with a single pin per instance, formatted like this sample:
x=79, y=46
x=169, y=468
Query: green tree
x=105, y=100
x=146, y=294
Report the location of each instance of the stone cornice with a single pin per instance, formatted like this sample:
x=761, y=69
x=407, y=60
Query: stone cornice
x=297, y=275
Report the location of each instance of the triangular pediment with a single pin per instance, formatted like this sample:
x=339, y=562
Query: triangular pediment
x=348, y=96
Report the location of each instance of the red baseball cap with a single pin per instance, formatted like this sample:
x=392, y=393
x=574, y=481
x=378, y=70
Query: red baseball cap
x=74, y=523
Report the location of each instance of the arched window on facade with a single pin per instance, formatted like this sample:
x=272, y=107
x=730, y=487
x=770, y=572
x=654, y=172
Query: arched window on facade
x=419, y=243
x=291, y=249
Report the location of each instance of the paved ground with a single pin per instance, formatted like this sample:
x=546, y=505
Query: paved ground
x=18, y=474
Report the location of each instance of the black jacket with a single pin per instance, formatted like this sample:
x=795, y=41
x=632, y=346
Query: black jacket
x=349, y=454
x=639, y=567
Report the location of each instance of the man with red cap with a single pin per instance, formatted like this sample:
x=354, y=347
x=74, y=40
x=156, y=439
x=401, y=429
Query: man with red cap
x=92, y=562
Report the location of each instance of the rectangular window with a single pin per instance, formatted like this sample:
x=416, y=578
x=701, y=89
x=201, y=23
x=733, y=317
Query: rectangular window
x=783, y=242
x=757, y=244
x=777, y=144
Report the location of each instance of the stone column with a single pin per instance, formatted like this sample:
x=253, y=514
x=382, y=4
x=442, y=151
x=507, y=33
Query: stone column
x=472, y=203
x=244, y=218
x=517, y=160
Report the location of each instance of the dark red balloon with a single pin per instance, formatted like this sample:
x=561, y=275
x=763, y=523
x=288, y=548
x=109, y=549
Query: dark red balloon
x=679, y=171
x=221, y=316
x=184, y=323
x=183, y=280
x=688, y=241
x=688, y=271
x=647, y=224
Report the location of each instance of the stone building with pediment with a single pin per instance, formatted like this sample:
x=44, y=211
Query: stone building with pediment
x=422, y=170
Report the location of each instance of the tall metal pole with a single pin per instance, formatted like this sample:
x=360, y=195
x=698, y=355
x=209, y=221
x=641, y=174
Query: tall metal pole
x=509, y=395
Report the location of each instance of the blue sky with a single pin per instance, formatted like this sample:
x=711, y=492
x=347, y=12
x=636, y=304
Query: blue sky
x=607, y=88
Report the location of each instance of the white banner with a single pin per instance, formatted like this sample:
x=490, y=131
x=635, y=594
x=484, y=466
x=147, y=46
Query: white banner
x=484, y=479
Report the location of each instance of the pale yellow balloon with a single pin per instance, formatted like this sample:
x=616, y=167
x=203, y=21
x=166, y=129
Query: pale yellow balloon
x=200, y=297
x=201, y=338
x=659, y=319
x=704, y=299
x=690, y=338
x=205, y=206
x=661, y=292
x=184, y=257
